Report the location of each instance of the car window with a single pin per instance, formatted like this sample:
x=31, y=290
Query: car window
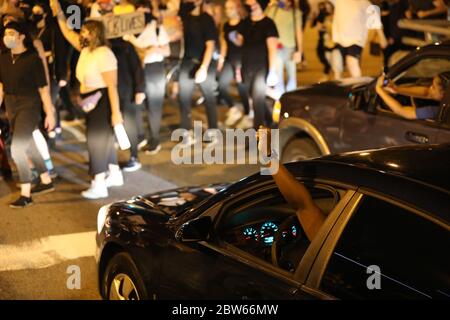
x=254, y=223
x=409, y=252
x=423, y=71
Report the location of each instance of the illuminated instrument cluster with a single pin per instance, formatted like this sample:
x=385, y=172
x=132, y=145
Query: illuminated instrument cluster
x=265, y=233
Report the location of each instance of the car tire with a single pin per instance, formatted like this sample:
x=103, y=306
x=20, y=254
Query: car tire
x=120, y=276
x=300, y=149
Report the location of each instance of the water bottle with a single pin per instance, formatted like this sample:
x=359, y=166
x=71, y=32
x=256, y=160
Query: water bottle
x=122, y=137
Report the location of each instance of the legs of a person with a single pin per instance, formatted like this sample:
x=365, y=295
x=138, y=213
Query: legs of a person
x=225, y=79
x=4, y=163
x=207, y=88
x=99, y=136
x=129, y=118
x=24, y=122
x=353, y=59
x=156, y=85
x=336, y=62
x=280, y=63
x=258, y=93
x=243, y=94
x=186, y=88
x=291, y=70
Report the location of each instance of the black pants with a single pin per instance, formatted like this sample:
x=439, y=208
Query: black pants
x=100, y=136
x=225, y=78
x=321, y=50
x=155, y=78
x=187, y=85
x=255, y=80
x=24, y=116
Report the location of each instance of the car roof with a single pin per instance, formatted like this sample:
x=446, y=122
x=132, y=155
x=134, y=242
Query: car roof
x=425, y=164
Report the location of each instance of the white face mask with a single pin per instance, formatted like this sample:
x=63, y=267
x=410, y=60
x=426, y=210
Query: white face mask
x=10, y=42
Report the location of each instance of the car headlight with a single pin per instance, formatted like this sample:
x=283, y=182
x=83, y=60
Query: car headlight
x=101, y=217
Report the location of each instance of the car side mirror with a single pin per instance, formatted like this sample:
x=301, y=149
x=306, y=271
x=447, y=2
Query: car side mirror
x=194, y=230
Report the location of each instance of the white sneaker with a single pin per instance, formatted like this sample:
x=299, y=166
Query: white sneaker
x=114, y=179
x=188, y=138
x=233, y=116
x=141, y=145
x=96, y=191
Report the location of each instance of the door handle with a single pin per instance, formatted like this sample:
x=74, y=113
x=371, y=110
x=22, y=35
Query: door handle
x=416, y=137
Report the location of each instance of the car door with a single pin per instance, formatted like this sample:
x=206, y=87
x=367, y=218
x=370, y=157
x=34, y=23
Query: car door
x=374, y=125
x=384, y=250
x=221, y=269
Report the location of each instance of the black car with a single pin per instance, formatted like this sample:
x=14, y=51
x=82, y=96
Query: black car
x=388, y=216
x=341, y=116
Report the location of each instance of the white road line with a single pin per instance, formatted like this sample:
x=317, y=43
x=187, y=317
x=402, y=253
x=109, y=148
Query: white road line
x=46, y=252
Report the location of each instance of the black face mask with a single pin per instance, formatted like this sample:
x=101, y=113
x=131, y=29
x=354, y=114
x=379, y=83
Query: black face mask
x=36, y=18
x=190, y=6
x=84, y=42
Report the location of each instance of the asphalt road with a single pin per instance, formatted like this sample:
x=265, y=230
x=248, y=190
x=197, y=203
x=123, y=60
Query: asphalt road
x=39, y=243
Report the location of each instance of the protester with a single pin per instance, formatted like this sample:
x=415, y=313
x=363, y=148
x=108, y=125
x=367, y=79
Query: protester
x=288, y=20
x=200, y=39
x=97, y=72
x=230, y=64
x=426, y=9
x=434, y=92
x=259, y=38
x=24, y=87
x=155, y=41
x=351, y=23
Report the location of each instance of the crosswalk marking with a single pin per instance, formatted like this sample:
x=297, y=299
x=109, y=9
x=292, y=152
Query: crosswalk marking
x=46, y=252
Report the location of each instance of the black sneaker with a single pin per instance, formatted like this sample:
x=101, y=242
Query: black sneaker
x=152, y=150
x=132, y=165
x=22, y=202
x=41, y=188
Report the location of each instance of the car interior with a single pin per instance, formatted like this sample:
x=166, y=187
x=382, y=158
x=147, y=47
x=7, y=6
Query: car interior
x=420, y=74
x=268, y=227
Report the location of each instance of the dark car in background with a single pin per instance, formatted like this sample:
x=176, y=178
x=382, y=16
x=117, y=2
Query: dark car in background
x=387, y=210
x=341, y=116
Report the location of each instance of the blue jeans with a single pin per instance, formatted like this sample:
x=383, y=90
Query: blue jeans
x=284, y=61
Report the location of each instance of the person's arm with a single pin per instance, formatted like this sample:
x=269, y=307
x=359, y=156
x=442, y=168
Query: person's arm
x=49, y=109
x=137, y=71
x=223, y=51
x=414, y=91
x=310, y=216
x=71, y=36
x=110, y=78
x=41, y=53
x=272, y=43
x=408, y=112
x=439, y=8
x=207, y=56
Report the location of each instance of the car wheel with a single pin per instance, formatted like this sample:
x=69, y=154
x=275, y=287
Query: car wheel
x=300, y=149
x=121, y=280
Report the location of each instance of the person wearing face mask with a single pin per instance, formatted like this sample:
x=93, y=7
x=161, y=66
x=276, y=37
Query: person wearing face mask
x=230, y=63
x=23, y=87
x=155, y=41
x=258, y=37
x=131, y=88
x=97, y=73
x=200, y=38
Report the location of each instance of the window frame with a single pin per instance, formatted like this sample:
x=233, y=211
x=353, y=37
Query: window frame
x=302, y=270
x=324, y=256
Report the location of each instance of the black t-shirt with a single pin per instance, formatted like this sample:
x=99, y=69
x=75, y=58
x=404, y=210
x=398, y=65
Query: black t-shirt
x=254, y=50
x=425, y=5
x=23, y=77
x=197, y=30
x=234, y=53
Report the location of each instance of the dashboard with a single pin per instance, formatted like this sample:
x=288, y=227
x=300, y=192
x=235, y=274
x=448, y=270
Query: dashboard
x=257, y=237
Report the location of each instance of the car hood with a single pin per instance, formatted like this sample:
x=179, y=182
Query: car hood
x=176, y=201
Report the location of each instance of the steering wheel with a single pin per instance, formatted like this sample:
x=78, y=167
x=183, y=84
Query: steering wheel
x=279, y=241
